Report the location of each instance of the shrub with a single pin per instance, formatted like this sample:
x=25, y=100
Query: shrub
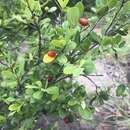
x=39, y=59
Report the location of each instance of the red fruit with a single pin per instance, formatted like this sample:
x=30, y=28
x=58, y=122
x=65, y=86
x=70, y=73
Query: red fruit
x=50, y=78
x=83, y=21
x=66, y=120
x=51, y=53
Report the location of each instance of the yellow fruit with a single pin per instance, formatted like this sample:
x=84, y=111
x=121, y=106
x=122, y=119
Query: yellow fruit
x=47, y=59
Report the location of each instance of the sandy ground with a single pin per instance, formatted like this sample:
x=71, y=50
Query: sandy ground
x=109, y=68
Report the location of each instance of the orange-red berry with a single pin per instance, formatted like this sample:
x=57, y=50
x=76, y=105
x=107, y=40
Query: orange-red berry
x=66, y=120
x=51, y=53
x=83, y=21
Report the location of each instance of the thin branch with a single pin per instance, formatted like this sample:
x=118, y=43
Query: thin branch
x=40, y=42
x=92, y=47
x=84, y=29
x=62, y=78
x=96, y=75
x=39, y=32
x=4, y=64
x=92, y=28
x=91, y=81
x=22, y=79
x=16, y=76
x=80, y=53
x=115, y=16
x=94, y=98
x=2, y=52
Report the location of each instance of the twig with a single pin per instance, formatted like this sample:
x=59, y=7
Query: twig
x=92, y=47
x=4, y=64
x=91, y=81
x=40, y=42
x=2, y=52
x=22, y=79
x=92, y=28
x=16, y=76
x=96, y=75
x=115, y=16
x=38, y=29
x=80, y=53
x=94, y=98
x=84, y=29
x=62, y=78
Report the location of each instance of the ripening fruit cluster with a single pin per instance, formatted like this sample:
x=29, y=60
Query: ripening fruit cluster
x=50, y=56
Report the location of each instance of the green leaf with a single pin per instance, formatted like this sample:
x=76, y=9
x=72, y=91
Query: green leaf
x=38, y=95
x=103, y=95
x=116, y=40
x=35, y=6
x=83, y=104
x=19, y=18
x=88, y=65
x=94, y=37
x=77, y=37
x=102, y=10
x=10, y=99
x=73, y=15
x=62, y=59
x=29, y=91
x=7, y=74
x=80, y=6
x=11, y=113
x=70, y=46
x=45, y=21
x=86, y=45
x=85, y=113
x=101, y=2
x=20, y=64
x=60, y=43
x=2, y=119
x=126, y=8
x=106, y=41
x=54, y=97
x=27, y=124
x=77, y=71
x=112, y=3
x=53, y=90
x=31, y=87
x=104, y=5
x=63, y=3
x=9, y=84
x=38, y=83
x=65, y=25
x=72, y=102
x=71, y=69
x=15, y=107
x=68, y=69
x=120, y=90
